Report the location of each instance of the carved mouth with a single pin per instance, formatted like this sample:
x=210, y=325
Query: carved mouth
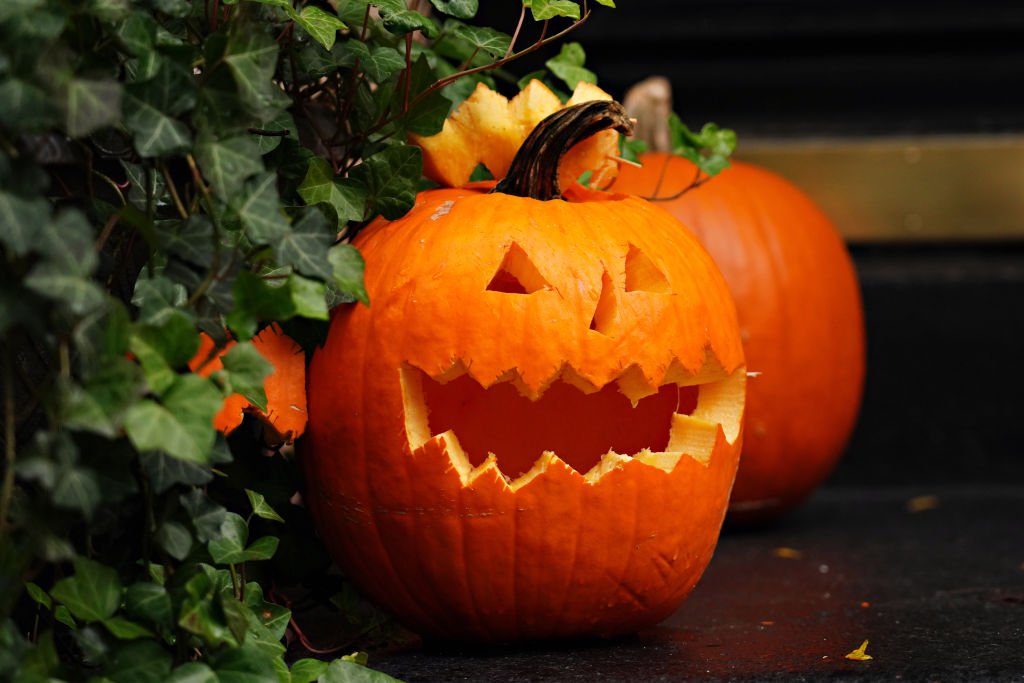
x=589, y=428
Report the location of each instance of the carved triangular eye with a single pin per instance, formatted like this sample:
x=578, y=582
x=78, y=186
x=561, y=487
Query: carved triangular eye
x=642, y=275
x=517, y=274
x=605, y=315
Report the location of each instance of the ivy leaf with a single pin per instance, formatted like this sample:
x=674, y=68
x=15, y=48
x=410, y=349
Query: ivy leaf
x=77, y=293
x=260, y=506
x=228, y=163
x=246, y=664
x=150, y=602
x=485, y=38
x=305, y=246
x=123, y=629
x=164, y=471
x=108, y=387
x=568, y=65
x=77, y=489
x=426, y=117
x=460, y=9
x=400, y=20
x=347, y=267
x=548, y=9
x=39, y=595
x=206, y=515
x=348, y=199
x=231, y=548
x=251, y=54
x=175, y=539
x=709, y=149
x=190, y=240
x=182, y=424
x=193, y=672
x=259, y=209
x=342, y=671
x=21, y=219
x=25, y=105
x=256, y=300
x=155, y=133
x=137, y=33
x=307, y=670
x=274, y=618
x=143, y=661
x=321, y=25
x=392, y=179
x=91, y=105
x=247, y=369
x=158, y=298
x=378, y=61
x=93, y=593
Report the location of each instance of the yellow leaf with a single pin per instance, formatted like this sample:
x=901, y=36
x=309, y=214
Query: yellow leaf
x=859, y=654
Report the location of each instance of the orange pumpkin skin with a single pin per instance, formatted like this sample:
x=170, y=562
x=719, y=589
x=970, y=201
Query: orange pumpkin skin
x=446, y=542
x=800, y=313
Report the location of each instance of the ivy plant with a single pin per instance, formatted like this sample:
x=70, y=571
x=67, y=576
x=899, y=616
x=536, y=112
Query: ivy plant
x=170, y=168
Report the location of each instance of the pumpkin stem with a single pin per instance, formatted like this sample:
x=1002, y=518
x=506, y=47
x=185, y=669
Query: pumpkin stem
x=534, y=170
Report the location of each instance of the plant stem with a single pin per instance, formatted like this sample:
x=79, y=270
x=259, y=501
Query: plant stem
x=204, y=193
x=7, y=488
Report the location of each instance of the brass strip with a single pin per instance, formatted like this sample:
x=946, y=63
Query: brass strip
x=907, y=189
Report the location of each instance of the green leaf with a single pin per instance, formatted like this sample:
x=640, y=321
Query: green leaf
x=182, y=425
x=460, y=9
x=175, y=338
x=123, y=629
x=321, y=25
x=273, y=617
x=247, y=368
x=193, y=672
x=41, y=596
x=377, y=61
x=245, y=665
x=256, y=299
x=305, y=246
x=487, y=39
x=568, y=65
x=91, y=105
x=319, y=185
x=93, y=593
x=108, y=387
x=150, y=602
x=142, y=661
x=231, y=548
x=166, y=470
x=63, y=615
x=347, y=267
x=307, y=670
x=228, y=163
x=341, y=671
x=206, y=515
x=259, y=209
x=155, y=134
x=251, y=54
x=548, y=9
x=175, y=539
x=260, y=506
x=77, y=489
x=77, y=293
x=308, y=297
x=39, y=661
x=428, y=115
x=392, y=179
x=190, y=240
x=25, y=105
x=158, y=298
x=21, y=219
x=400, y=20
x=709, y=150
x=137, y=33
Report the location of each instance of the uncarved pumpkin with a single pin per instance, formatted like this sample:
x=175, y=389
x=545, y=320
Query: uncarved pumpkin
x=285, y=387
x=800, y=314
x=533, y=429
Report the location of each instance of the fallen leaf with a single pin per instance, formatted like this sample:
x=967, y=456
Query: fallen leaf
x=859, y=654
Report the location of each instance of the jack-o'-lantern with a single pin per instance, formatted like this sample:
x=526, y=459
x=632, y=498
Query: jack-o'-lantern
x=533, y=429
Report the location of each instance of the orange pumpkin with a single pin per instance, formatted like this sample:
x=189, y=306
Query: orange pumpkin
x=285, y=387
x=534, y=428
x=800, y=314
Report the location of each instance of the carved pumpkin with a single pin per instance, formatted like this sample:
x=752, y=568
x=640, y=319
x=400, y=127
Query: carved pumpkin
x=800, y=313
x=533, y=429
